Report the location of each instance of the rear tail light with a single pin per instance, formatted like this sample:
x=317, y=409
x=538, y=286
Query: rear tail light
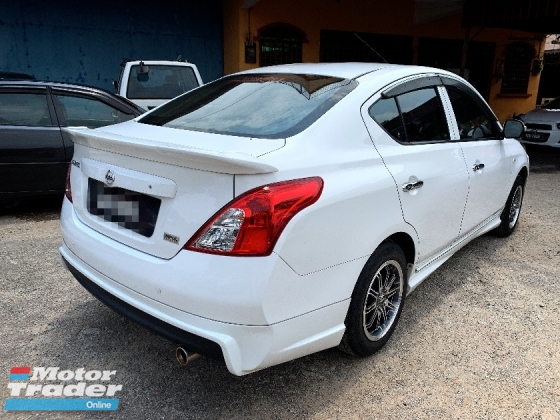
x=251, y=224
x=68, y=190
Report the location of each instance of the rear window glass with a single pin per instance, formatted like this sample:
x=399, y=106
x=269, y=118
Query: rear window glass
x=258, y=105
x=160, y=82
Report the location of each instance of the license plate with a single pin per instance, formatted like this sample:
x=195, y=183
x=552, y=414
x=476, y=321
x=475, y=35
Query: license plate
x=128, y=209
x=533, y=136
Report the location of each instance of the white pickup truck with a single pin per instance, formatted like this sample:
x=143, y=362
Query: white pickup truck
x=149, y=83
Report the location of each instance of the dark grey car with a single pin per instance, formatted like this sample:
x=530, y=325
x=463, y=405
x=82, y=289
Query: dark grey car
x=34, y=151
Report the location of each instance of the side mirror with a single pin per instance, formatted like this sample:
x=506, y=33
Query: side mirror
x=514, y=129
x=115, y=85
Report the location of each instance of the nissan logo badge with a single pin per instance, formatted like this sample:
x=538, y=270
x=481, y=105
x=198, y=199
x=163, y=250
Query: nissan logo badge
x=110, y=177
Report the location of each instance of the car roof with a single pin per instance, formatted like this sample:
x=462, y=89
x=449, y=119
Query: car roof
x=10, y=75
x=343, y=70
x=52, y=84
x=166, y=62
x=362, y=71
x=73, y=86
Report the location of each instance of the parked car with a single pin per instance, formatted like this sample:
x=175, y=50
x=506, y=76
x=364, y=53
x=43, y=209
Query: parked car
x=35, y=152
x=149, y=83
x=543, y=125
x=10, y=75
x=285, y=210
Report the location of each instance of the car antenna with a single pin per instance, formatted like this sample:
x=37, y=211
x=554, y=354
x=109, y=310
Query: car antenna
x=370, y=47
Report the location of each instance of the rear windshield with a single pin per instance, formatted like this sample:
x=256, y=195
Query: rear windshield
x=256, y=105
x=160, y=82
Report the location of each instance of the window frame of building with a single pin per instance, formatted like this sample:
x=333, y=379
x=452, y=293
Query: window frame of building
x=517, y=68
x=283, y=47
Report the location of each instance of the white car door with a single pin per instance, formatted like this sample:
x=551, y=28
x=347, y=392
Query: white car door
x=409, y=128
x=484, y=152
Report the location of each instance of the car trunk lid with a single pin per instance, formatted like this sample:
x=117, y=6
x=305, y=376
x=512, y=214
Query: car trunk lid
x=153, y=194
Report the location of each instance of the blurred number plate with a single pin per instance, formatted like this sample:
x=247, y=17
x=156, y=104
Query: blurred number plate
x=128, y=209
x=533, y=136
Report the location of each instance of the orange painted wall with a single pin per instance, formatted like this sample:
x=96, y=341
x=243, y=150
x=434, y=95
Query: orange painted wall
x=376, y=16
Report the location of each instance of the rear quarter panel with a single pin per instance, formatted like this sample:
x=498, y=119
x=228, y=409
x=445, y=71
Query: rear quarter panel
x=359, y=205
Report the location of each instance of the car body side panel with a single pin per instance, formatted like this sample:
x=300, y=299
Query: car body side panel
x=487, y=186
x=435, y=209
x=359, y=206
x=32, y=160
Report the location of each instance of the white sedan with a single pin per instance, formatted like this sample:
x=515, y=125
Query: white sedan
x=285, y=210
x=543, y=125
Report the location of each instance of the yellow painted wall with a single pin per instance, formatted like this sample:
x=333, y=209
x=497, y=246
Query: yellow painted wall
x=376, y=16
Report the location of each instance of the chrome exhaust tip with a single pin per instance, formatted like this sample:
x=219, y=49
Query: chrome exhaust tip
x=185, y=356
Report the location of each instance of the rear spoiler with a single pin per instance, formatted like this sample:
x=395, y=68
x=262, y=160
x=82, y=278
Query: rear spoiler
x=187, y=156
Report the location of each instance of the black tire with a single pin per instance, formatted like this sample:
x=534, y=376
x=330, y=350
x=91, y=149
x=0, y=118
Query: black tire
x=512, y=210
x=373, y=314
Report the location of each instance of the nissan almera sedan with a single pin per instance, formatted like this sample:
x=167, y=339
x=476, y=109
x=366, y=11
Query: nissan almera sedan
x=285, y=210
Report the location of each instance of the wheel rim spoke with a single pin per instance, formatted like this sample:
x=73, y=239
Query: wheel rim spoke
x=392, y=292
x=515, y=206
x=391, y=306
x=383, y=300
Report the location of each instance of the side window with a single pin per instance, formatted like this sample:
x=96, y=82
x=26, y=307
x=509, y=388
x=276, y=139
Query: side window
x=24, y=109
x=79, y=111
x=475, y=121
x=415, y=116
x=386, y=113
x=423, y=115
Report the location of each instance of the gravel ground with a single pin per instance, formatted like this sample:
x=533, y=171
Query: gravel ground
x=479, y=339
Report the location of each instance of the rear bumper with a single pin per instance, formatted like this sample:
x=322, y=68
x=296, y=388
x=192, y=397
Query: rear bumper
x=191, y=341
x=244, y=348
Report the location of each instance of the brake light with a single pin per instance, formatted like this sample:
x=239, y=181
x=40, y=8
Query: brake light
x=251, y=224
x=68, y=190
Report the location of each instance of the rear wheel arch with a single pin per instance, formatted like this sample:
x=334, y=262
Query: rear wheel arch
x=377, y=299
x=523, y=174
x=512, y=209
x=406, y=243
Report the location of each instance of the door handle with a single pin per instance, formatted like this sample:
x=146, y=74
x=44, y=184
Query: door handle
x=478, y=166
x=410, y=186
